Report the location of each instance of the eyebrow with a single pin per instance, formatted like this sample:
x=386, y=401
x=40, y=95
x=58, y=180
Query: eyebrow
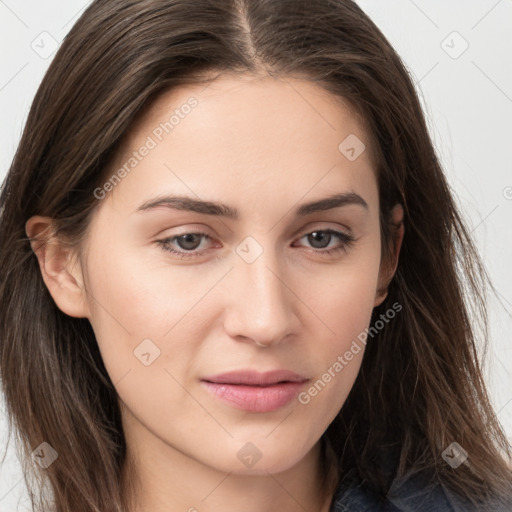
x=223, y=210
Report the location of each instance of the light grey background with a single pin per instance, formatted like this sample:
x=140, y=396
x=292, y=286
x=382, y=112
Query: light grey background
x=466, y=93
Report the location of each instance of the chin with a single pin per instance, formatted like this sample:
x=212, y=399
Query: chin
x=256, y=459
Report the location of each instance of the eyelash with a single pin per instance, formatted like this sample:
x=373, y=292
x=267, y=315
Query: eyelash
x=345, y=238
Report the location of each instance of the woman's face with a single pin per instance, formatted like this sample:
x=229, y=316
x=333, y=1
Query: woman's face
x=245, y=272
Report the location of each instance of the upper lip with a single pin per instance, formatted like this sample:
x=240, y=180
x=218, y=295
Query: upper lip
x=252, y=377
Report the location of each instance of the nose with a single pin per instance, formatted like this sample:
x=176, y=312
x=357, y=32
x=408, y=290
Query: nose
x=260, y=305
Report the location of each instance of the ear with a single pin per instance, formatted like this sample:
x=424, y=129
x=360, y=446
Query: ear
x=60, y=268
x=389, y=265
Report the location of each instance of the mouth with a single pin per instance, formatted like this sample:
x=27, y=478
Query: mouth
x=253, y=391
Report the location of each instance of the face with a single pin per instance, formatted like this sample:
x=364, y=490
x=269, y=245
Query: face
x=256, y=273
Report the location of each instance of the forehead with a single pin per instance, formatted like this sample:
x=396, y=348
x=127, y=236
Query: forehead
x=259, y=101
x=276, y=137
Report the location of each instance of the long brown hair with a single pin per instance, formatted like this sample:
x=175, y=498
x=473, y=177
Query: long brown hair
x=420, y=386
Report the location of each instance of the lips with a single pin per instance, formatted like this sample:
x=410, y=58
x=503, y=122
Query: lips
x=253, y=391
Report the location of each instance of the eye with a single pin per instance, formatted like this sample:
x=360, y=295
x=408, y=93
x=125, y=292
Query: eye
x=321, y=238
x=187, y=245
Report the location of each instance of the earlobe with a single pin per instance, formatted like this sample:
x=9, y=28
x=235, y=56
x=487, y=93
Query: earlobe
x=389, y=266
x=59, y=267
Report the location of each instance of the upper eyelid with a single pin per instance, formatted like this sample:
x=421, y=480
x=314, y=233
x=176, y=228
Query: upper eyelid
x=202, y=231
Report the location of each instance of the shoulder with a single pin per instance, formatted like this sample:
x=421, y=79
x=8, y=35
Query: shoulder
x=410, y=495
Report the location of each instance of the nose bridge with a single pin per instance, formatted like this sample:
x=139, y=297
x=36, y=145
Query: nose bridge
x=260, y=306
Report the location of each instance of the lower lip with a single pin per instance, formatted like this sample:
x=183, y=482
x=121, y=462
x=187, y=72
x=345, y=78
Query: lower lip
x=255, y=398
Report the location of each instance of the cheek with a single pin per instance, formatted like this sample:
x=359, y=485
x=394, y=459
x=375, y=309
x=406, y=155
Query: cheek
x=144, y=292
x=126, y=307
x=343, y=296
x=344, y=304
x=337, y=357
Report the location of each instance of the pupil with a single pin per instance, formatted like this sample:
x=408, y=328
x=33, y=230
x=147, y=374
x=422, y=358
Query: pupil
x=187, y=241
x=317, y=236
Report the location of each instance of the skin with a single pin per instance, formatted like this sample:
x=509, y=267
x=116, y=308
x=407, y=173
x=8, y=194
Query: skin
x=263, y=146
